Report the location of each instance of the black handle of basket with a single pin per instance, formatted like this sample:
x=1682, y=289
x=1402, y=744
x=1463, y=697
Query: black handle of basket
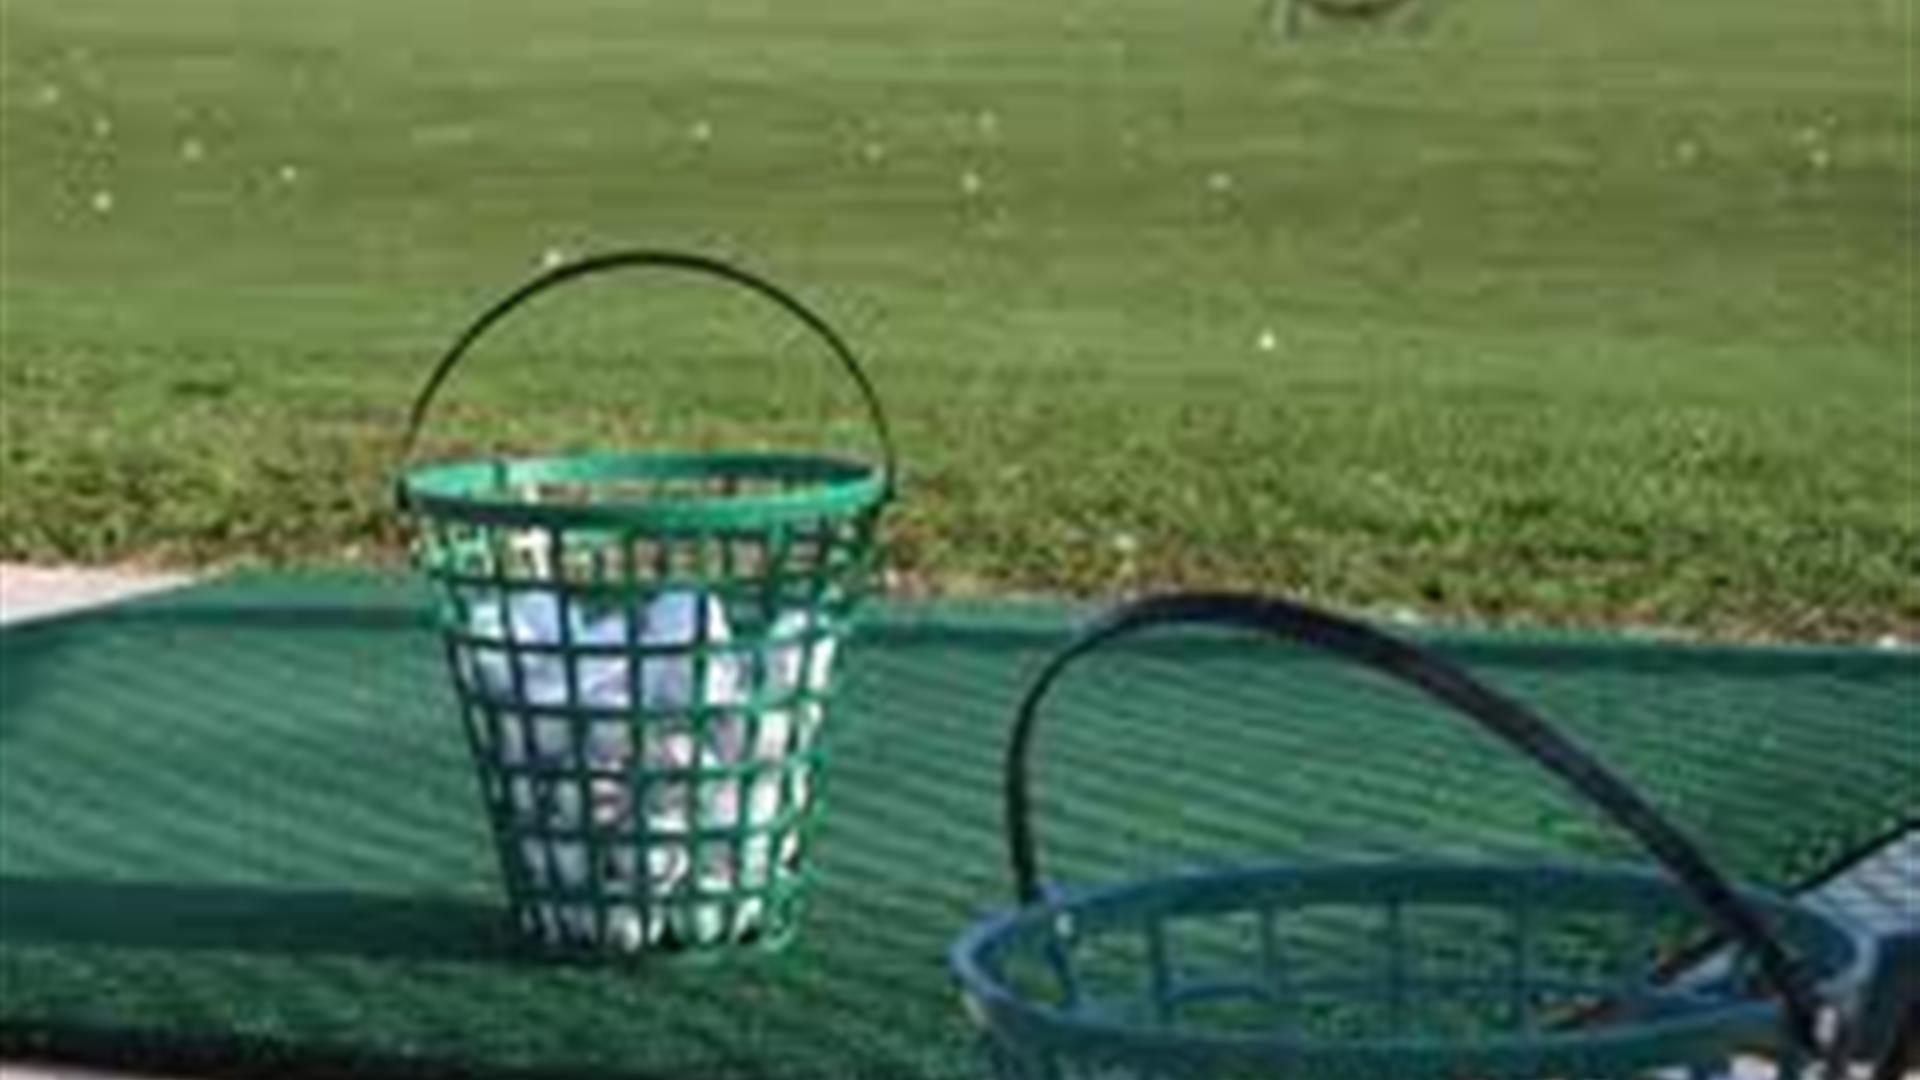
x=671, y=260
x=1505, y=718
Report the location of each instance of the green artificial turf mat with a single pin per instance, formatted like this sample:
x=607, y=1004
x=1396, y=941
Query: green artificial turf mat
x=238, y=830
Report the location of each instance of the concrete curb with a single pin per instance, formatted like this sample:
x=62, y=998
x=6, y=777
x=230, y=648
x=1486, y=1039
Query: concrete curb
x=28, y=592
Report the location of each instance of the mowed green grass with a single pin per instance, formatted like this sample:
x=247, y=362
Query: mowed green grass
x=1560, y=312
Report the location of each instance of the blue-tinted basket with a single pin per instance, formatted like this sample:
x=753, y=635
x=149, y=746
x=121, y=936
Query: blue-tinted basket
x=1395, y=969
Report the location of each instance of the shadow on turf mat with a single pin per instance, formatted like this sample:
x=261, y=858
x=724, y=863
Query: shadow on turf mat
x=52, y=911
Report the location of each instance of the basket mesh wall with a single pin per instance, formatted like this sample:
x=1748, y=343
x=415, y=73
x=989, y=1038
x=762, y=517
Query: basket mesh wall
x=1361, y=967
x=645, y=709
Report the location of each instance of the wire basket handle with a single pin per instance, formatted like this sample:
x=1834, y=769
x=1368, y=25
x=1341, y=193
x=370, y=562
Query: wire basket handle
x=672, y=260
x=1496, y=713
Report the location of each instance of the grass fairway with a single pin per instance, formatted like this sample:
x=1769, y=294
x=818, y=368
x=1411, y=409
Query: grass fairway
x=1563, y=312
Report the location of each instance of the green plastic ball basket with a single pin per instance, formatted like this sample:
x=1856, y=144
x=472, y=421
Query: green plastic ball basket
x=1397, y=969
x=643, y=650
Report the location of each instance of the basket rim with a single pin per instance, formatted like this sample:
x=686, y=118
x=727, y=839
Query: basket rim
x=475, y=490
x=1001, y=1009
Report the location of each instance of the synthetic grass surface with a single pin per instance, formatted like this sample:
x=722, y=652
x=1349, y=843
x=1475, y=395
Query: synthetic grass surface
x=1554, y=313
x=237, y=828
